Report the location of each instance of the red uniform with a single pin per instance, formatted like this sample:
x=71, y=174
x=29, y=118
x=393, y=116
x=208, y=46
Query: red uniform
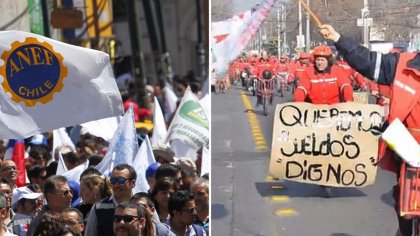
x=355, y=77
x=324, y=88
x=263, y=65
x=405, y=105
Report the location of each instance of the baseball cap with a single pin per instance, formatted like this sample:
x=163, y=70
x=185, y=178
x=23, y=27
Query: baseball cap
x=23, y=192
x=151, y=170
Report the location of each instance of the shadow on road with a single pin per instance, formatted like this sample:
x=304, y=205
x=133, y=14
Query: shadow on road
x=341, y=234
x=294, y=189
x=218, y=211
x=387, y=198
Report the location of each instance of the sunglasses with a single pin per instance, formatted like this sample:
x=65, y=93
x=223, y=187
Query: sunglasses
x=190, y=210
x=119, y=180
x=66, y=193
x=126, y=218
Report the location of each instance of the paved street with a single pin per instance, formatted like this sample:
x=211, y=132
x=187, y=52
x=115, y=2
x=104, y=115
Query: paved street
x=246, y=202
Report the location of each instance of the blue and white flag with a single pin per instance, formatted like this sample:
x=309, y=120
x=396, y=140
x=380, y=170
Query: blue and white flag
x=123, y=146
x=143, y=159
x=74, y=174
x=47, y=84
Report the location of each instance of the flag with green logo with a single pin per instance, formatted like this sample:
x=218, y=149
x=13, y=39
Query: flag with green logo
x=190, y=123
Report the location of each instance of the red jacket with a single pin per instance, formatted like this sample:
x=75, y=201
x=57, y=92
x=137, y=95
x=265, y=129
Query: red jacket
x=355, y=77
x=324, y=88
x=405, y=105
x=264, y=65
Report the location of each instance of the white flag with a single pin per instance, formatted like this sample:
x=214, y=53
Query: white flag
x=182, y=149
x=47, y=84
x=61, y=165
x=190, y=123
x=170, y=102
x=61, y=138
x=123, y=146
x=74, y=174
x=143, y=159
x=205, y=161
x=159, y=126
x=103, y=128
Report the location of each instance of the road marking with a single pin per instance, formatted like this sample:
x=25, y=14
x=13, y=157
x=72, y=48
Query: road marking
x=280, y=198
x=285, y=212
x=259, y=140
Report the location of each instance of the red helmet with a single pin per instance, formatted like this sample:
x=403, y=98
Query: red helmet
x=304, y=55
x=322, y=51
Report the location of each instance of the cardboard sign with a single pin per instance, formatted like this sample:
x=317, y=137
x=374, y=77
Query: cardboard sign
x=333, y=145
x=361, y=97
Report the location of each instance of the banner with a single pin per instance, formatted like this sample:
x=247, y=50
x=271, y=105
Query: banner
x=143, y=159
x=47, y=84
x=190, y=123
x=159, y=125
x=361, y=97
x=333, y=145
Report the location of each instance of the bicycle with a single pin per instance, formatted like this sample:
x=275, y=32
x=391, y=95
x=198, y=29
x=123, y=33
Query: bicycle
x=265, y=93
x=282, y=83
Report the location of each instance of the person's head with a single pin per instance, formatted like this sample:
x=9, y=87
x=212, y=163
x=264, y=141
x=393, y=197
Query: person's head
x=123, y=179
x=162, y=191
x=200, y=188
x=283, y=58
x=9, y=171
x=322, y=55
x=38, y=155
x=57, y=193
x=6, y=189
x=94, y=188
x=188, y=171
x=89, y=171
x=24, y=201
x=47, y=225
x=3, y=208
x=170, y=170
x=304, y=58
x=73, y=219
x=37, y=175
x=182, y=207
x=65, y=231
x=132, y=219
x=163, y=154
x=144, y=200
x=150, y=174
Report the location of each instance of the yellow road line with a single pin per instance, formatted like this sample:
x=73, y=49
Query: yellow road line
x=280, y=198
x=259, y=140
x=285, y=212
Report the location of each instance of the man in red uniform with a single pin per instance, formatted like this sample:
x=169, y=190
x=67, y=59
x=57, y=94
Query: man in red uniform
x=323, y=83
x=356, y=78
x=401, y=72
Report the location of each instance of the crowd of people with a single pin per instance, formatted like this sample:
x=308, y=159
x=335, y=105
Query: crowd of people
x=177, y=202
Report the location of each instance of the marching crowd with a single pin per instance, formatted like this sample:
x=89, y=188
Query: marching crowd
x=177, y=202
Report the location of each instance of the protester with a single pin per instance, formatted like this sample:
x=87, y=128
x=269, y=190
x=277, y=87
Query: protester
x=9, y=172
x=3, y=209
x=188, y=171
x=160, y=196
x=150, y=174
x=182, y=210
x=200, y=188
x=401, y=72
x=144, y=200
x=123, y=179
x=163, y=154
x=37, y=175
x=47, y=224
x=172, y=171
x=24, y=204
x=58, y=195
x=6, y=189
x=73, y=219
x=132, y=219
x=93, y=188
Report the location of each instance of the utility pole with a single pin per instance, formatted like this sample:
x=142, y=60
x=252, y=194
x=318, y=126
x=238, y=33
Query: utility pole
x=365, y=15
x=300, y=26
x=278, y=34
x=308, y=29
x=283, y=16
x=137, y=60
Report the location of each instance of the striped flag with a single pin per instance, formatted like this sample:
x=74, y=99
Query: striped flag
x=16, y=152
